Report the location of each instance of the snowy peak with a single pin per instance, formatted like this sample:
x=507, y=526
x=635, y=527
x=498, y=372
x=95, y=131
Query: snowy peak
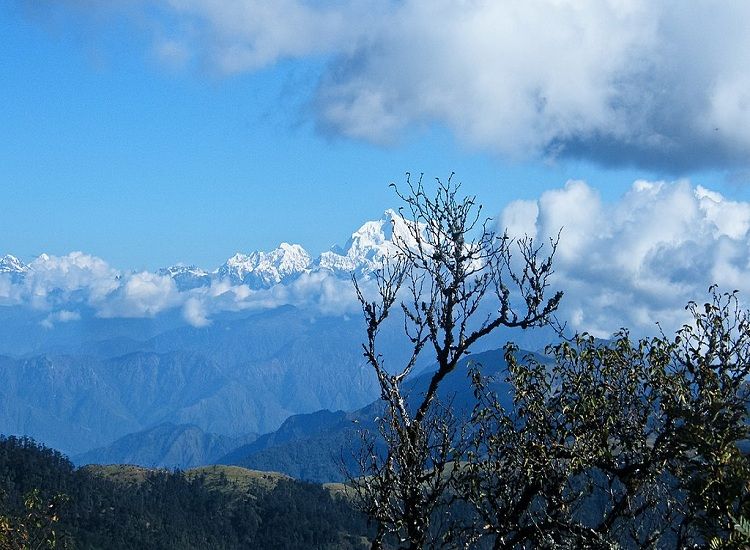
x=12, y=267
x=400, y=229
x=265, y=269
x=363, y=253
x=11, y=264
x=369, y=245
x=382, y=233
x=187, y=277
x=181, y=269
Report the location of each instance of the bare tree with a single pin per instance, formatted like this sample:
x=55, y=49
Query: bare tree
x=447, y=268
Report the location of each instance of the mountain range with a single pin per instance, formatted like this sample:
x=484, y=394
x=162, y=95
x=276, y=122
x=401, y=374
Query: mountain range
x=321, y=446
x=235, y=377
x=253, y=385
x=363, y=252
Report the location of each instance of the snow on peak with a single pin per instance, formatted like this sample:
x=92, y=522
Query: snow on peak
x=182, y=269
x=264, y=269
x=369, y=245
x=186, y=277
x=363, y=253
x=11, y=264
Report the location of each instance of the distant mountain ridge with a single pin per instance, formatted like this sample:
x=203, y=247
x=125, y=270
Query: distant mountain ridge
x=364, y=252
x=320, y=446
x=13, y=267
x=168, y=368
x=316, y=446
x=236, y=376
x=11, y=264
x=166, y=446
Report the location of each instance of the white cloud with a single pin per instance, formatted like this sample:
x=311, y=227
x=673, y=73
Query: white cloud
x=639, y=260
x=320, y=291
x=520, y=218
x=75, y=277
x=142, y=295
x=329, y=294
x=79, y=279
x=576, y=209
x=657, y=83
x=147, y=294
x=251, y=34
x=729, y=218
x=194, y=312
x=62, y=316
x=512, y=76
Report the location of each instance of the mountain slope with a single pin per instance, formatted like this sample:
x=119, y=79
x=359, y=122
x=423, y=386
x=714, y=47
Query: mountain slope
x=315, y=446
x=236, y=376
x=126, y=507
x=165, y=446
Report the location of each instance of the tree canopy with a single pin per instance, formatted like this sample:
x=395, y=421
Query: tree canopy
x=631, y=443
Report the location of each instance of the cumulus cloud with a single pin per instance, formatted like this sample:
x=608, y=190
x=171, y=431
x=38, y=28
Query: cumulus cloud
x=82, y=280
x=638, y=260
x=320, y=291
x=72, y=272
x=617, y=82
x=194, y=312
x=652, y=83
x=329, y=294
x=52, y=280
x=247, y=35
x=142, y=295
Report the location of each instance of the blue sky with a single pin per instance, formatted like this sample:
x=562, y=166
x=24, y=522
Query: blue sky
x=150, y=133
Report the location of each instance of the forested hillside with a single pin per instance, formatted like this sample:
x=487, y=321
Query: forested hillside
x=43, y=499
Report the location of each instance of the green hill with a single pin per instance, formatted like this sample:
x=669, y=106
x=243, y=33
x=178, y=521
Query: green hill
x=125, y=507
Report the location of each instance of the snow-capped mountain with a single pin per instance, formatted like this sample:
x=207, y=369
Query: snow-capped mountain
x=265, y=269
x=363, y=253
x=368, y=247
x=14, y=267
x=187, y=277
x=11, y=264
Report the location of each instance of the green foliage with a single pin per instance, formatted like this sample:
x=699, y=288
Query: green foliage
x=125, y=508
x=619, y=443
x=738, y=539
x=35, y=528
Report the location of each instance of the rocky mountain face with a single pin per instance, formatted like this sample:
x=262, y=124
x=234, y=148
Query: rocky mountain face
x=187, y=277
x=265, y=269
x=11, y=264
x=13, y=268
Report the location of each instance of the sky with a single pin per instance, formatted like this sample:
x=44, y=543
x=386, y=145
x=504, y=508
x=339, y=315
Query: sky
x=149, y=133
